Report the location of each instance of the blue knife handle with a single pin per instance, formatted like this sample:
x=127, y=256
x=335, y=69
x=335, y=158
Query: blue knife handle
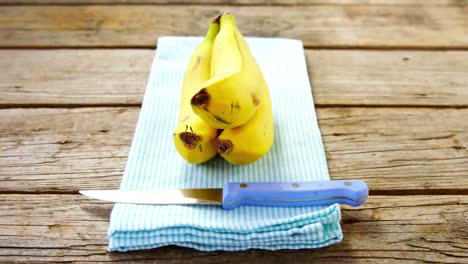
x=350, y=192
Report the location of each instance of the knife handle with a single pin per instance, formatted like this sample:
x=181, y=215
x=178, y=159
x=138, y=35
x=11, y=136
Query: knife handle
x=350, y=192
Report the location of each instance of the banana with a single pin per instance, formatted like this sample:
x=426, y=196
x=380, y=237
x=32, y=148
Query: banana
x=249, y=142
x=233, y=93
x=194, y=140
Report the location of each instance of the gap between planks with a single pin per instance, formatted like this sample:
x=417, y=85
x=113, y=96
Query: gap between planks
x=407, y=3
x=306, y=47
x=138, y=105
x=394, y=192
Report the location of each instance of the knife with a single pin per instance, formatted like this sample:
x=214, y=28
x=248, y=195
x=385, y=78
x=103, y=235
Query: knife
x=232, y=195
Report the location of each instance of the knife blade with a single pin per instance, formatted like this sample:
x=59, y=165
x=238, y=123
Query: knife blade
x=234, y=194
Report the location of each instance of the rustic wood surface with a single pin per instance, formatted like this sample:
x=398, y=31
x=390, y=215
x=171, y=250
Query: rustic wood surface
x=245, y=2
x=413, y=229
x=389, y=80
x=419, y=150
x=345, y=77
x=372, y=26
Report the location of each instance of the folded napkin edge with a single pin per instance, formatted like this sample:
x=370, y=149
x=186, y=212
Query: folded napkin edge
x=329, y=214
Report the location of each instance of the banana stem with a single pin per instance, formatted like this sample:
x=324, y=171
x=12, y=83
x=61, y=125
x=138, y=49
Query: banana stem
x=213, y=30
x=189, y=139
x=223, y=146
x=201, y=99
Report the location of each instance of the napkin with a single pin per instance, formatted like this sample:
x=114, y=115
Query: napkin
x=153, y=163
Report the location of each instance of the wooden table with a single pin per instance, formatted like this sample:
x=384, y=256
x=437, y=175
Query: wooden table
x=390, y=82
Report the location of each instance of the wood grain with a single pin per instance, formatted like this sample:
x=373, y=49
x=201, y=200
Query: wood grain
x=243, y=2
x=338, y=77
x=387, y=229
x=344, y=26
x=63, y=150
x=398, y=78
x=71, y=77
x=395, y=150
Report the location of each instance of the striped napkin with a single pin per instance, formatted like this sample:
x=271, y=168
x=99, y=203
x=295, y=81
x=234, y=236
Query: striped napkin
x=153, y=163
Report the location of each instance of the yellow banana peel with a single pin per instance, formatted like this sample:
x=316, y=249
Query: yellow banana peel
x=233, y=93
x=225, y=103
x=248, y=143
x=193, y=138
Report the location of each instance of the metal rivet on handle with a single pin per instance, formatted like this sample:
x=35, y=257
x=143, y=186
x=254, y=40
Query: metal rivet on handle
x=347, y=183
x=243, y=185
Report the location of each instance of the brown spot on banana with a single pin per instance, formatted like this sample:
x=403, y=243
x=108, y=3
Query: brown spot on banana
x=255, y=99
x=199, y=59
x=221, y=120
x=236, y=105
x=223, y=146
x=189, y=139
x=201, y=99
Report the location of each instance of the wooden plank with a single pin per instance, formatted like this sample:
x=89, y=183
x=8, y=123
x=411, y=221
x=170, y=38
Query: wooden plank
x=68, y=77
x=387, y=229
x=403, y=78
x=396, y=150
x=64, y=150
x=318, y=26
x=349, y=77
x=243, y=2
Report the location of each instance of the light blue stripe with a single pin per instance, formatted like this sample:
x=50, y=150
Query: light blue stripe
x=153, y=163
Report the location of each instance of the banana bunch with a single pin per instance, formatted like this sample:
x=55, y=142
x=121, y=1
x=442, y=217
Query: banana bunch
x=225, y=104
